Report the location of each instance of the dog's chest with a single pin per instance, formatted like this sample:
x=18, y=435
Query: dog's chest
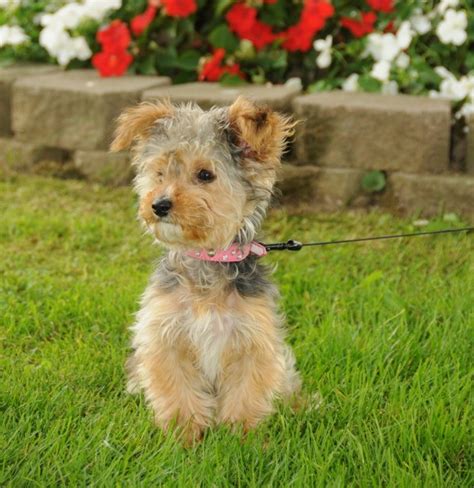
x=211, y=333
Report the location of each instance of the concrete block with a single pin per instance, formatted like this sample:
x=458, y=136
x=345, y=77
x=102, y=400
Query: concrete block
x=326, y=188
x=8, y=76
x=207, y=95
x=433, y=194
x=75, y=109
x=372, y=131
x=21, y=156
x=470, y=144
x=102, y=167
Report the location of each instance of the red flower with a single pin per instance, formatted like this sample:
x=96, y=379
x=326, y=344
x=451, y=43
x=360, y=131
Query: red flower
x=390, y=27
x=115, y=37
x=297, y=38
x=381, y=5
x=213, y=71
x=114, y=59
x=180, y=8
x=241, y=18
x=315, y=13
x=141, y=22
x=360, y=28
x=110, y=63
x=243, y=21
x=313, y=18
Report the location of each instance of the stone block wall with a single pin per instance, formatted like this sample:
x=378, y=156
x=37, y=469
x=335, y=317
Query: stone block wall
x=64, y=120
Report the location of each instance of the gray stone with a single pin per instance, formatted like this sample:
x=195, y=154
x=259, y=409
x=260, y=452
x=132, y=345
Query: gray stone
x=74, y=109
x=372, y=131
x=8, y=76
x=314, y=187
x=470, y=144
x=432, y=195
x=21, y=156
x=207, y=95
x=103, y=167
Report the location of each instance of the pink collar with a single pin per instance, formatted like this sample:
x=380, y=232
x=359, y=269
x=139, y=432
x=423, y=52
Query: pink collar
x=233, y=254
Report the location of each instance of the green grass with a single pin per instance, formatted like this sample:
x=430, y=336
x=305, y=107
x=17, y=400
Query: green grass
x=383, y=331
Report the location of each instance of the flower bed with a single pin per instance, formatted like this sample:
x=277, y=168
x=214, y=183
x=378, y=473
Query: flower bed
x=363, y=45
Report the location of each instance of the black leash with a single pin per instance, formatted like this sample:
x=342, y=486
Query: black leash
x=293, y=245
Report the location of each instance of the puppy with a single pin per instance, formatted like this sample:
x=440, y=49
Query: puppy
x=208, y=344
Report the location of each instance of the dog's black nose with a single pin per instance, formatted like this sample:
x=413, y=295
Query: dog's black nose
x=161, y=207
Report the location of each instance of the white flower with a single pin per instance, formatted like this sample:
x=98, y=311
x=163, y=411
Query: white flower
x=52, y=38
x=351, y=84
x=62, y=46
x=12, y=35
x=81, y=48
x=294, y=83
x=452, y=29
x=403, y=60
x=452, y=88
x=323, y=46
x=443, y=72
x=390, y=88
x=404, y=35
x=445, y=4
x=386, y=48
x=9, y=3
x=97, y=10
x=69, y=16
x=381, y=70
x=420, y=23
x=55, y=36
x=74, y=48
x=466, y=110
x=382, y=47
x=324, y=59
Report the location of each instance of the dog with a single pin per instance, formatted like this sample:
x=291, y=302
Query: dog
x=208, y=341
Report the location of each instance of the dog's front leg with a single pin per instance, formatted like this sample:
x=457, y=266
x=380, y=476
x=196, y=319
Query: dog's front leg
x=176, y=390
x=251, y=381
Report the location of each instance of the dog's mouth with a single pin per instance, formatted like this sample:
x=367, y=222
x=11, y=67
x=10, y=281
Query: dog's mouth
x=165, y=220
x=168, y=232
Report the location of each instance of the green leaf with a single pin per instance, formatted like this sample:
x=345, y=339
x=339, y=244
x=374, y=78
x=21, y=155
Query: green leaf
x=374, y=181
x=222, y=37
x=189, y=60
x=147, y=66
x=274, y=15
x=280, y=59
x=369, y=84
x=321, y=85
x=470, y=61
x=229, y=79
x=222, y=5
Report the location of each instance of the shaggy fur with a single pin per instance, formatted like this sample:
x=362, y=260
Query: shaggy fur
x=208, y=344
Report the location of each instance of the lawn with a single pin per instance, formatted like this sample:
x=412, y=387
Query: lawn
x=383, y=331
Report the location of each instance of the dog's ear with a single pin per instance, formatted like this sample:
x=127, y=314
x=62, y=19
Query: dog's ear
x=135, y=123
x=261, y=133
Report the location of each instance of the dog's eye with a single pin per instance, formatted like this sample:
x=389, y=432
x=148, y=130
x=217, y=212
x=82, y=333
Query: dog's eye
x=159, y=174
x=205, y=175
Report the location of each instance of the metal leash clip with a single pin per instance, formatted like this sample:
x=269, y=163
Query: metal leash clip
x=290, y=245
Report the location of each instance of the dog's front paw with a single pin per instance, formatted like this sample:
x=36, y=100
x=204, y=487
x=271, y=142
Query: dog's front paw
x=188, y=432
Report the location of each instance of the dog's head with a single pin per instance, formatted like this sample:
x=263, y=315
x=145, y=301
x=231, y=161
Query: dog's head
x=204, y=178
